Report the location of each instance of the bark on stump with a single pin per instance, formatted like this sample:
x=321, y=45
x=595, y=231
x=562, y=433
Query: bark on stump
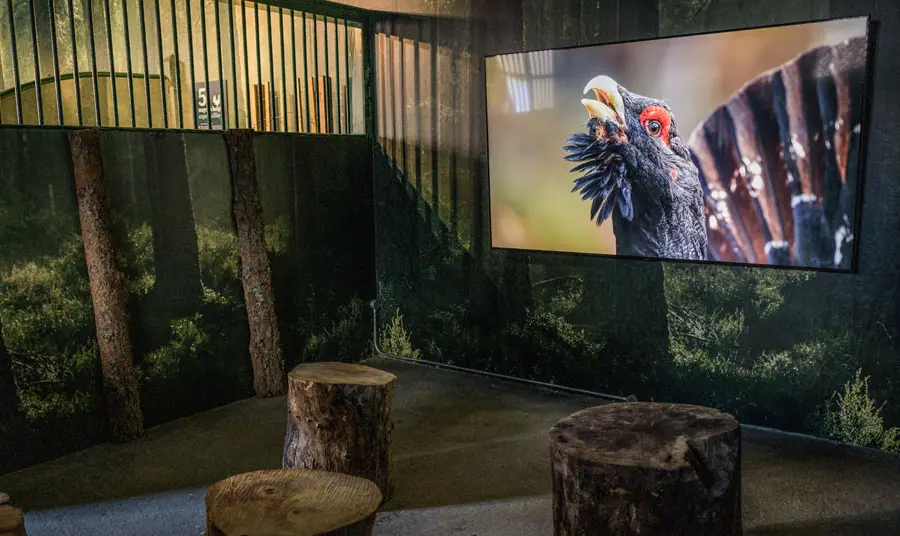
x=120, y=386
x=12, y=522
x=339, y=419
x=256, y=273
x=646, y=469
x=296, y=502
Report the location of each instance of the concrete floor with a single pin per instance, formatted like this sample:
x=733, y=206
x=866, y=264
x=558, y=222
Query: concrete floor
x=470, y=459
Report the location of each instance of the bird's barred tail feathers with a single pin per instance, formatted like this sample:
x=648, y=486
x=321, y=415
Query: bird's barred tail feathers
x=778, y=163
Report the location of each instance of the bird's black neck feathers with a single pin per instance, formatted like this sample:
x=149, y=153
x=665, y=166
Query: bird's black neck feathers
x=651, y=192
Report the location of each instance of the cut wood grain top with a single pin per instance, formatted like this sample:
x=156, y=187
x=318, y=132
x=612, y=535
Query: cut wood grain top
x=4, y=499
x=11, y=519
x=639, y=434
x=299, y=502
x=341, y=373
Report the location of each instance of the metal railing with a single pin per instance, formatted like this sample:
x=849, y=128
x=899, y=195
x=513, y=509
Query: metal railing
x=282, y=65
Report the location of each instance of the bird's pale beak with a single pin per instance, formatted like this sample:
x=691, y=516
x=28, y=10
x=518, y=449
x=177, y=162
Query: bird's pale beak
x=608, y=104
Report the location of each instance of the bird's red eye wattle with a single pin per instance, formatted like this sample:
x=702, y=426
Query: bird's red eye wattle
x=656, y=121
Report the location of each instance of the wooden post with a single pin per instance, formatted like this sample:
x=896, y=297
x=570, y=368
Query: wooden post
x=298, y=502
x=256, y=274
x=339, y=419
x=120, y=386
x=646, y=469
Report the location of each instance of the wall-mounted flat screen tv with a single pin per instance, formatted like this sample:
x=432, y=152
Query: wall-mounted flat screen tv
x=738, y=147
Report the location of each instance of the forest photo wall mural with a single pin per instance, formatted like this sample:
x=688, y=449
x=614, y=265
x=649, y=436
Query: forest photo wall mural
x=738, y=146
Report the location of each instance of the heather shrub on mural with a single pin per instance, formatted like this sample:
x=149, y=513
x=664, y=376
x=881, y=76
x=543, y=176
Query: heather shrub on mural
x=48, y=328
x=395, y=340
x=853, y=416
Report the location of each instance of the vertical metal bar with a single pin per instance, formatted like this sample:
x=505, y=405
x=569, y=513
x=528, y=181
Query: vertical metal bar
x=93, y=50
x=205, y=62
x=294, y=72
x=55, y=53
x=368, y=57
x=316, y=84
x=391, y=93
x=246, y=63
x=75, y=77
x=327, y=99
x=347, y=108
x=272, y=106
x=147, y=102
x=433, y=39
x=219, y=59
x=15, y=59
x=417, y=99
x=178, y=97
x=35, y=54
x=337, y=76
x=112, y=62
x=162, y=66
x=381, y=93
x=306, y=73
x=190, y=36
x=234, y=76
x=284, y=116
x=128, y=62
x=401, y=75
x=258, y=104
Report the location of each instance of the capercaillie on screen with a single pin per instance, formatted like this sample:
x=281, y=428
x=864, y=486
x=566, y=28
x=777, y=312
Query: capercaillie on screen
x=770, y=177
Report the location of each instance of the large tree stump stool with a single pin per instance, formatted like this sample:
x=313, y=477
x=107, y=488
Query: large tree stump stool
x=339, y=419
x=292, y=502
x=12, y=521
x=646, y=469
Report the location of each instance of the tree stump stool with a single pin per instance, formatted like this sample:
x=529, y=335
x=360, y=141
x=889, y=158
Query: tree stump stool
x=339, y=420
x=646, y=469
x=12, y=521
x=292, y=502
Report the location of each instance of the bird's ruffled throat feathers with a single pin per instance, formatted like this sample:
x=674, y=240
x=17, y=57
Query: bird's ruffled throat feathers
x=605, y=182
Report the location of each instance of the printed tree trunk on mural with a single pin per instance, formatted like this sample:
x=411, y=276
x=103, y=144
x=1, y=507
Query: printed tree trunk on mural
x=120, y=385
x=256, y=273
x=9, y=397
x=175, y=251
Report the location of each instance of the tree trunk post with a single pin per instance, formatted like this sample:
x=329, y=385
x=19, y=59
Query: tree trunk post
x=646, y=469
x=339, y=419
x=256, y=274
x=300, y=502
x=120, y=386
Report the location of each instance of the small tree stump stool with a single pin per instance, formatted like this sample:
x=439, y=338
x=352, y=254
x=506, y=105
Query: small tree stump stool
x=339, y=420
x=12, y=522
x=292, y=502
x=646, y=469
